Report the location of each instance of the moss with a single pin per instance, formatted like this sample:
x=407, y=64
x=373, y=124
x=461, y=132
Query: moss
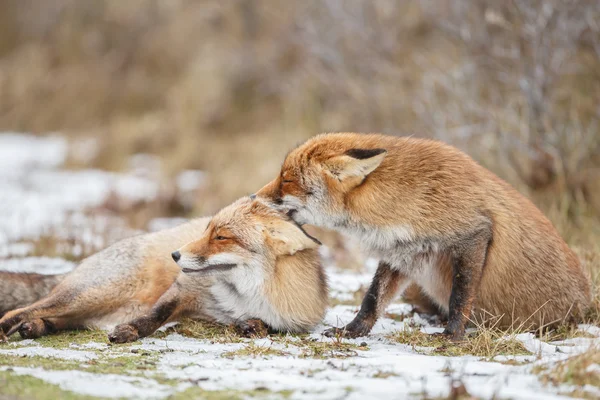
x=259, y=393
x=254, y=351
x=16, y=387
x=121, y=365
x=64, y=339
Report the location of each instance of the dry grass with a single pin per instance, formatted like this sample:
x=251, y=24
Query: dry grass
x=265, y=76
x=215, y=333
x=485, y=343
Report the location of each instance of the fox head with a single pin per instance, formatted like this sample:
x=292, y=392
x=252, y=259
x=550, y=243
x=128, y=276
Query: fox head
x=317, y=177
x=247, y=234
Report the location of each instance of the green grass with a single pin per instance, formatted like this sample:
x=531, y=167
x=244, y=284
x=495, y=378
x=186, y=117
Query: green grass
x=125, y=364
x=200, y=394
x=17, y=387
x=64, y=339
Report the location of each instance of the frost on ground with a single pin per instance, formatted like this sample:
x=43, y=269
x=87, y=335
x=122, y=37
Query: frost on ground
x=39, y=199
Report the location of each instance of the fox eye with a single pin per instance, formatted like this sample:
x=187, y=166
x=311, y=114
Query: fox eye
x=287, y=181
x=221, y=238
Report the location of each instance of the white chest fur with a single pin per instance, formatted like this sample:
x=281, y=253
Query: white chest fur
x=240, y=296
x=418, y=259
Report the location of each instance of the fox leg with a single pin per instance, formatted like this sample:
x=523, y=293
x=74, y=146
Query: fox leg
x=469, y=258
x=421, y=303
x=170, y=306
x=52, y=306
x=39, y=327
x=66, y=304
x=384, y=286
x=252, y=328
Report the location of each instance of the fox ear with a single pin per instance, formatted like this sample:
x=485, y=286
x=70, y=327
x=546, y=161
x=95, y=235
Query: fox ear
x=287, y=238
x=355, y=163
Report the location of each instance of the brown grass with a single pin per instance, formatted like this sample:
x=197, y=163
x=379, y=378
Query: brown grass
x=215, y=333
x=229, y=87
x=255, y=351
x=485, y=343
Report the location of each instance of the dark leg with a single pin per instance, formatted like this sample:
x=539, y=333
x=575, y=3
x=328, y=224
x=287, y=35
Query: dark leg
x=384, y=286
x=469, y=259
x=36, y=328
x=146, y=325
x=252, y=328
x=54, y=306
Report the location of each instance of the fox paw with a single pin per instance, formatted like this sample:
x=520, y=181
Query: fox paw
x=123, y=334
x=32, y=329
x=350, y=331
x=450, y=336
x=253, y=328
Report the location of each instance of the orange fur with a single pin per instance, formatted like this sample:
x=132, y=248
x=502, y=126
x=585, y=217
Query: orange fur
x=439, y=195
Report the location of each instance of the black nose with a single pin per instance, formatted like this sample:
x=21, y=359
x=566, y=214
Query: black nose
x=252, y=196
x=176, y=255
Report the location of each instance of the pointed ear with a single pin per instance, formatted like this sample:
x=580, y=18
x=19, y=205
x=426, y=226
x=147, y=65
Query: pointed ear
x=287, y=238
x=355, y=163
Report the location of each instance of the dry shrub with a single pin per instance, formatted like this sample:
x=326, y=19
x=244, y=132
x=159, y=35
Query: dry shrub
x=228, y=87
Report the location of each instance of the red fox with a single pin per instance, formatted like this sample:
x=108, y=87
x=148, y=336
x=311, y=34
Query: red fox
x=241, y=265
x=434, y=217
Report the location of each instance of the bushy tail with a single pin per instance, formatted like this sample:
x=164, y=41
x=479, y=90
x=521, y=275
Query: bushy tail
x=21, y=289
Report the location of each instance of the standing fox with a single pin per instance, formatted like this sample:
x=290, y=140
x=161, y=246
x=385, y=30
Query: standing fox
x=241, y=265
x=435, y=217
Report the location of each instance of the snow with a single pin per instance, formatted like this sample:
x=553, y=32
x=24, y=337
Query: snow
x=41, y=265
x=38, y=196
x=39, y=351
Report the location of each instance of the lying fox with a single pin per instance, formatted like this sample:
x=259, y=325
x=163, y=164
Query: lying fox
x=435, y=217
x=248, y=262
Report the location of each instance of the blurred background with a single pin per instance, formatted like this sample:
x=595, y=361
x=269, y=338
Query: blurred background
x=226, y=87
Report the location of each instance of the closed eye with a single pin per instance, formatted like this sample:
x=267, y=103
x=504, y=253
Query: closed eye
x=221, y=238
x=287, y=181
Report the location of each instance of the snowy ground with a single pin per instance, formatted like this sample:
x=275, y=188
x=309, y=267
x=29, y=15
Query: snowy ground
x=39, y=198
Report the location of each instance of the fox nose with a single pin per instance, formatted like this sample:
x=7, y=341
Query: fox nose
x=176, y=255
x=252, y=196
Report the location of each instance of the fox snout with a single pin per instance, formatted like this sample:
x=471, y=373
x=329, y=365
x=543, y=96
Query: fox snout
x=176, y=255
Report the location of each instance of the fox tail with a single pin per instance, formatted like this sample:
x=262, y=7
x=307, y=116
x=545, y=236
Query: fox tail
x=21, y=289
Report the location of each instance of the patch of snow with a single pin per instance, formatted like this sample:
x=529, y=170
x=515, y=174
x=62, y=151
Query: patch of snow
x=15, y=249
x=20, y=152
x=343, y=284
x=40, y=265
x=135, y=188
x=37, y=198
x=190, y=180
x=47, y=352
x=590, y=329
x=158, y=224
